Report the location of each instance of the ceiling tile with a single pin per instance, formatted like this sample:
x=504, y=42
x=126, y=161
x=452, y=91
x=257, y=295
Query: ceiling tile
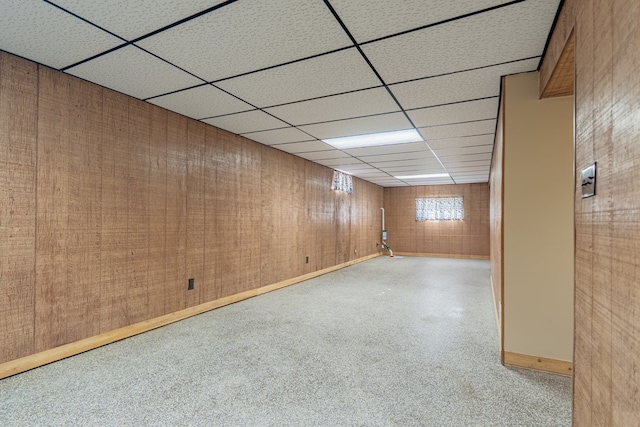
x=464, y=86
x=349, y=105
x=482, y=127
x=201, y=102
x=433, y=181
x=476, y=153
x=43, y=33
x=414, y=170
x=131, y=19
x=467, y=141
x=416, y=155
x=452, y=162
x=325, y=155
x=249, y=35
x=471, y=180
x=383, y=164
x=506, y=34
x=337, y=163
x=302, y=147
x=338, y=72
x=410, y=147
x=134, y=72
x=455, y=113
x=370, y=19
x=370, y=124
x=461, y=157
x=278, y=136
x=249, y=121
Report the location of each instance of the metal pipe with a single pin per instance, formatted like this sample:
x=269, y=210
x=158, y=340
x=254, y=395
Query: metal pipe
x=382, y=218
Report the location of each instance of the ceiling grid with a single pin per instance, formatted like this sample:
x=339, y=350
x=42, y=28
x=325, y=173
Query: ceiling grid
x=292, y=73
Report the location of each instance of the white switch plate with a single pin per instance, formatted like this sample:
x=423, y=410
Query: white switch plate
x=589, y=181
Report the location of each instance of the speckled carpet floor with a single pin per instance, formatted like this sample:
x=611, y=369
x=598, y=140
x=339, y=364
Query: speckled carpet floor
x=388, y=342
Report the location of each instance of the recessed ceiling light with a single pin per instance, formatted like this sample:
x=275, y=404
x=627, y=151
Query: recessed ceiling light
x=375, y=139
x=433, y=175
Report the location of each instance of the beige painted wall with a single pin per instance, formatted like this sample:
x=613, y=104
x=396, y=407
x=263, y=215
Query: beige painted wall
x=538, y=221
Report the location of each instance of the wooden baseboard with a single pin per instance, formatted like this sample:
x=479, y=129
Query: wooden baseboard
x=442, y=255
x=52, y=355
x=555, y=366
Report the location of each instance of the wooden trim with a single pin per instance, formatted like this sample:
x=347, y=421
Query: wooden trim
x=442, y=255
x=556, y=366
x=497, y=314
x=502, y=114
x=52, y=355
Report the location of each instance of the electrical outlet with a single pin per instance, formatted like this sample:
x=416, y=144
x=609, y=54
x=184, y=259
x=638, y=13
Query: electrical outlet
x=191, y=284
x=307, y=260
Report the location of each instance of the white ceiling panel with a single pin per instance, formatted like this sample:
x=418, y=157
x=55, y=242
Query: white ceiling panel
x=455, y=113
x=338, y=72
x=278, y=136
x=470, y=169
x=132, y=19
x=303, y=147
x=459, y=163
x=464, y=86
x=45, y=34
x=345, y=106
x=134, y=72
x=362, y=125
x=388, y=149
x=446, y=160
x=249, y=35
x=434, y=181
x=471, y=180
x=201, y=102
x=467, y=153
x=512, y=32
x=371, y=19
x=339, y=163
x=482, y=127
x=422, y=155
x=414, y=170
x=412, y=162
x=467, y=141
x=249, y=121
x=324, y=155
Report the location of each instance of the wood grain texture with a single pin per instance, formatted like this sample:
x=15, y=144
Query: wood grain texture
x=176, y=214
x=496, y=208
x=467, y=237
x=563, y=367
x=561, y=81
x=132, y=200
x=115, y=172
x=607, y=86
x=18, y=132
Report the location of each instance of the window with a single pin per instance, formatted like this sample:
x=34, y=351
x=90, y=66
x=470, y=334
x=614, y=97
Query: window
x=342, y=182
x=439, y=208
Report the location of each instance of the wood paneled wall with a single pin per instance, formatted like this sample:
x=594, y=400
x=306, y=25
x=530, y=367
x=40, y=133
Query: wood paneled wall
x=108, y=205
x=496, y=209
x=607, y=262
x=455, y=238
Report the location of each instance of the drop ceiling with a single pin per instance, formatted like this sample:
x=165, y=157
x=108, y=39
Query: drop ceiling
x=289, y=73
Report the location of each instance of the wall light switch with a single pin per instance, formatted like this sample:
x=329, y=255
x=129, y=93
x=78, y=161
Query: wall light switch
x=589, y=181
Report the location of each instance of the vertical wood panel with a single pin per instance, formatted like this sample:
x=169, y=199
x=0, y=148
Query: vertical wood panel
x=52, y=212
x=157, y=211
x=138, y=212
x=84, y=153
x=115, y=185
x=176, y=214
x=237, y=214
x=18, y=113
x=195, y=209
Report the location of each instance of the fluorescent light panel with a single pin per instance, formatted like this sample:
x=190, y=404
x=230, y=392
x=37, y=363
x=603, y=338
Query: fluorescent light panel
x=427, y=176
x=375, y=139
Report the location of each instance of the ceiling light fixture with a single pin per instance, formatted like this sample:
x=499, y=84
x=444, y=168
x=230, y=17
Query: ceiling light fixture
x=427, y=176
x=375, y=139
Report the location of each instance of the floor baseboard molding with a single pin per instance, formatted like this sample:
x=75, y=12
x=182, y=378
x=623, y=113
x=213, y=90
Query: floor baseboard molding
x=26, y=363
x=556, y=366
x=459, y=256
